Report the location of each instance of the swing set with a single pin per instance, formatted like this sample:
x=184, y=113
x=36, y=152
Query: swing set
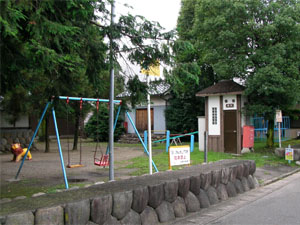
x=104, y=159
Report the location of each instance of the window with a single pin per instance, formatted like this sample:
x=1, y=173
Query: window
x=214, y=116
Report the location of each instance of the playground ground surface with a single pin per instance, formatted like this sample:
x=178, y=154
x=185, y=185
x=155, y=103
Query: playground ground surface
x=44, y=172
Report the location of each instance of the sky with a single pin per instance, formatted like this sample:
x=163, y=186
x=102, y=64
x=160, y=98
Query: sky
x=163, y=11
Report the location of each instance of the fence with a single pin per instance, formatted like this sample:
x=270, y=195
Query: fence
x=261, y=128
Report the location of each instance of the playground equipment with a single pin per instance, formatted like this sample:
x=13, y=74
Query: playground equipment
x=80, y=156
x=176, y=139
x=19, y=152
x=99, y=162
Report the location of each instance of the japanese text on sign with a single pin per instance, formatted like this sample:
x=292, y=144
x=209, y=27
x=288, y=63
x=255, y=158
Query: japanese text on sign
x=179, y=155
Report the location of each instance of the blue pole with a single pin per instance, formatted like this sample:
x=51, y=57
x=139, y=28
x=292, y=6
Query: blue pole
x=137, y=133
x=192, y=142
x=87, y=99
x=168, y=141
x=146, y=139
x=115, y=125
x=32, y=139
x=60, y=151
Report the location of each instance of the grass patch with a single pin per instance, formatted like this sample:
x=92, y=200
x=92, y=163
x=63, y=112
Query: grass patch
x=262, y=156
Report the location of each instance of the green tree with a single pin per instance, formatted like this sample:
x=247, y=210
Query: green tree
x=257, y=41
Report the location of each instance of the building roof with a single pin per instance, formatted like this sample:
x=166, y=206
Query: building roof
x=221, y=88
x=161, y=88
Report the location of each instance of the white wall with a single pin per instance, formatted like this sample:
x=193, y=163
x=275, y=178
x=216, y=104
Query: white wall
x=214, y=129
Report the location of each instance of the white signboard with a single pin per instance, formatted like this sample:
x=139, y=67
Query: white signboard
x=229, y=102
x=278, y=116
x=179, y=155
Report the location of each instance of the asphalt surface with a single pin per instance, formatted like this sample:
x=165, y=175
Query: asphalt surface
x=275, y=202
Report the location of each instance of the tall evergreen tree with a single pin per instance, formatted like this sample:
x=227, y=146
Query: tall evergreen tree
x=256, y=40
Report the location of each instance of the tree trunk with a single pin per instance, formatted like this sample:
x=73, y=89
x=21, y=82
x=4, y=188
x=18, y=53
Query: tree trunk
x=270, y=134
x=76, y=133
x=47, y=140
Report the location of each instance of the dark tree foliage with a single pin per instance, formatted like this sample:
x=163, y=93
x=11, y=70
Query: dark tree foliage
x=257, y=41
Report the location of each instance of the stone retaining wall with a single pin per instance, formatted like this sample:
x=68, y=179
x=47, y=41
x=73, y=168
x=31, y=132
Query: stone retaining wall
x=8, y=137
x=281, y=153
x=143, y=200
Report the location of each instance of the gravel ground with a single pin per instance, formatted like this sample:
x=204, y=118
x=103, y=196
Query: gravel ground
x=46, y=167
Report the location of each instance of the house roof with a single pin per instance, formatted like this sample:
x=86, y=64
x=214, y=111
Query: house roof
x=222, y=87
x=156, y=89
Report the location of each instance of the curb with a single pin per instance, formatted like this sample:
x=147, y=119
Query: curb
x=270, y=181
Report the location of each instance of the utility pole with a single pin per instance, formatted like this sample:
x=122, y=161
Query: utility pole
x=111, y=97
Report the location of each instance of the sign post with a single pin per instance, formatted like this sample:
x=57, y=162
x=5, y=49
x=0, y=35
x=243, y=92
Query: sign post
x=154, y=71
x=279, y=120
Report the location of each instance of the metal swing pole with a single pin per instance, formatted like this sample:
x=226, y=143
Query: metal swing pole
x=60, y=151
x=33, y=137
x=115, y=125
x=111, y=98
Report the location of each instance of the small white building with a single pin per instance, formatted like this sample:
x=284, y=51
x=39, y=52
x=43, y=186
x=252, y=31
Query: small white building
x=223, y=116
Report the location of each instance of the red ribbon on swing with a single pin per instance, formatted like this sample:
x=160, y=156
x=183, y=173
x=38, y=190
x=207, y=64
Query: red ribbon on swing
x=81, y=104
x=68, y=100
x=97, y=104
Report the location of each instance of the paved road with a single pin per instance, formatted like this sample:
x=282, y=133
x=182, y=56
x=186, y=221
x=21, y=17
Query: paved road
x=277, y=203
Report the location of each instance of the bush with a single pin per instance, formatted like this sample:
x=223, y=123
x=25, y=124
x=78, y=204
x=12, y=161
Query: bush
x=101, y=131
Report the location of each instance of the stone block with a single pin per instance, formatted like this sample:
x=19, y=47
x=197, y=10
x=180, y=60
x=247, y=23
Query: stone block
x=132, y=217
x=231, y=191
x=280, y=152
x=251, y=182
x=205, y=180
x=192, y=202
x=140, y=199
x=91, y=223
x=101, y=209
x=252, y=168
x=156, y=195
x=183, y=186
x=77, y=212
x=212, y=195
x=171, y=190
x=179, y=207
x=240, y=171
x=3, y=141
x=296, y=154
x=245, y=184
x=238, y=186
x=149, y=216
x=225, y=175
x=233, y=173
x=112, y=221
x=216, y=178
x=121, y=204
x=165, y=212
x=203, y=199
x=246, y=168
x=222, y=192
x=195, y=184
x=23, y=218
x=255, y=182
x=53, y=215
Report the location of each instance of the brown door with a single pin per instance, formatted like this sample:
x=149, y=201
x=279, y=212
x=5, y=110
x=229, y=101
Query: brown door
x=230, y=131
x=142, y=120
